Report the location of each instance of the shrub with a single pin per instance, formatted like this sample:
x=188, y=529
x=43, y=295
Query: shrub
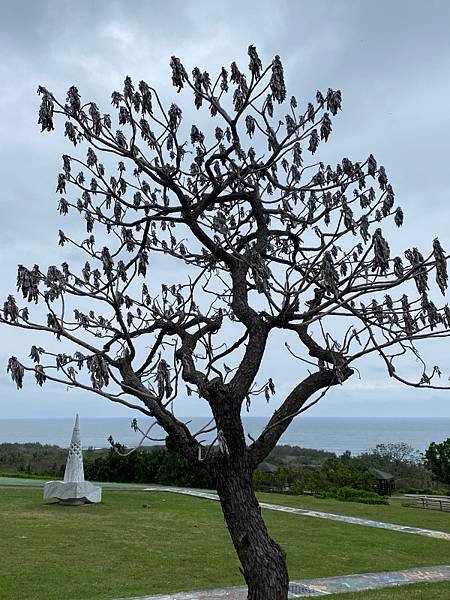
x=349, y=494
x=146, y=465
x=177, y=470
x=283, y=480
x=297, y=488
x=379, y=500
x=335, y=474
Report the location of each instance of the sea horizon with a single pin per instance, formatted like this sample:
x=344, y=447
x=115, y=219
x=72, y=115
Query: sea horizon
x=334, y=434
x=244, y=417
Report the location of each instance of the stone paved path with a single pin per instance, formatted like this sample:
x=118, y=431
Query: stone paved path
x=315, y=513
x=326, y=586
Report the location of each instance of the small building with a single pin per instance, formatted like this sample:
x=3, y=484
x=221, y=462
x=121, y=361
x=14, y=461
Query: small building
x=385, y=482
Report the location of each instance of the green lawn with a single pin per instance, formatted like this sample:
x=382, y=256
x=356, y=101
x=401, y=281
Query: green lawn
x=422, y=591
x=394, y=513
x=121, y=548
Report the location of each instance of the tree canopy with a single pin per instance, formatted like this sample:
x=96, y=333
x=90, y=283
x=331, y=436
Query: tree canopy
x=268, y=241
x=438, y=460
x=252, y=234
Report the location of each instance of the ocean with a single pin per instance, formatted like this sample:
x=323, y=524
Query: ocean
x=324, y=433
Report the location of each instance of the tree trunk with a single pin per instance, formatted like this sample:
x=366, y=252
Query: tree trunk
x=263, y=561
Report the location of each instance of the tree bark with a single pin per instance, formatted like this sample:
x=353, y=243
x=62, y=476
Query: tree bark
x=263, y=561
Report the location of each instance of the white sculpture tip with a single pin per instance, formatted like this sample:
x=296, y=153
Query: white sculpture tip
x=74, y=466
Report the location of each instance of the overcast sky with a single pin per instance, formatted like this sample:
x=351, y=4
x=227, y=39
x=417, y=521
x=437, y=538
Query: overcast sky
x=390, y=59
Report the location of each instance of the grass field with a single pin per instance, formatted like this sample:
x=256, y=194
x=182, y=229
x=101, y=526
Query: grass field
x=394, y=513
x=120, y=548
x=422, y=591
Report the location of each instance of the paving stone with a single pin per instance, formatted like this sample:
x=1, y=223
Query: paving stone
x=325, y=586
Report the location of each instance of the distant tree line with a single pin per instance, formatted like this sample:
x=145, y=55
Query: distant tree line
x=152, y=464
x=318, y=472
x=297, y=469
x=331, y=474
x=296, y=455
x=32, y=459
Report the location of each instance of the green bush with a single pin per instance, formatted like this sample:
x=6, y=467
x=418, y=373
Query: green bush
x=333, y=474
x=297, y=488
x=349, y=494
x=174, y=469
x=330, y=475
x=146, y=465
x=284, y=480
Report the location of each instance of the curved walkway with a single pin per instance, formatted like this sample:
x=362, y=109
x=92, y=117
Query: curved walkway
x=441, y=535
x=324, y=587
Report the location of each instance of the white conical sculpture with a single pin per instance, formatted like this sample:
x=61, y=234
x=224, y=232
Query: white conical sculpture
x=74, y=467
x=74, y=489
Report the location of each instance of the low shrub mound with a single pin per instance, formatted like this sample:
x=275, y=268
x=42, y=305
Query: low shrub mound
x=349, y=494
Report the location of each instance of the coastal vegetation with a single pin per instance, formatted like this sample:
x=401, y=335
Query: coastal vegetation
x=294, y=470
x=32, y=459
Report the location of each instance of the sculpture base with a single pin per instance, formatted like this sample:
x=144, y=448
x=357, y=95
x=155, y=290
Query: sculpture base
x=73, y=493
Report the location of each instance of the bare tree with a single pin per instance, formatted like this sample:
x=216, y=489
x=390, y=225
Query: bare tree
x=263, y=242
